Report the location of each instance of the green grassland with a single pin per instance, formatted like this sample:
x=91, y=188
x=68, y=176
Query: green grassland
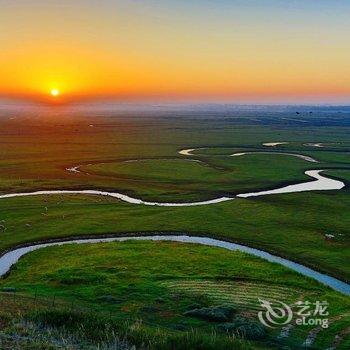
x=184, y=180
x=34, y=154
x=292, y=225
x=157, y=282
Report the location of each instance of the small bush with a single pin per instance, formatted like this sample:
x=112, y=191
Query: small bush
x=244, y=328
x=194, y=306
x=58, y=318
x=5, y=319
x=214, y=314
x=109, y=299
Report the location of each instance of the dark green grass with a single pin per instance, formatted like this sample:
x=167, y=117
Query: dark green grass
x=76, y=330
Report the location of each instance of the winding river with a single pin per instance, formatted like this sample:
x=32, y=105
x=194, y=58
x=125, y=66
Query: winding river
x=321, y=183
x=274, y=144
x=10, y=258
x=306, y=158
x=189, y=152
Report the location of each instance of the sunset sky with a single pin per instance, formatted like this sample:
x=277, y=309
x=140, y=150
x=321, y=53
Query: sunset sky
x=200, y=50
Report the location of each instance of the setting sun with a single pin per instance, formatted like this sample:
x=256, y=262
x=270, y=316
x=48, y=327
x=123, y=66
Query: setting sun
x=55, y=92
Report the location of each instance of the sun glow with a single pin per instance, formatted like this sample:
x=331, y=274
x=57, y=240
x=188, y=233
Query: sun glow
x=55, y=92
x=243, y=60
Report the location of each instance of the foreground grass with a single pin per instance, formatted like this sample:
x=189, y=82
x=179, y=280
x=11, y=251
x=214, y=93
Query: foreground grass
x=71, y=330
x=155, y=283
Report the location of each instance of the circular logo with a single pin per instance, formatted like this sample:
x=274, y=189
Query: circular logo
x=276, y=313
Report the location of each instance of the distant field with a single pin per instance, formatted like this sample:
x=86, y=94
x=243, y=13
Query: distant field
x=36, y=152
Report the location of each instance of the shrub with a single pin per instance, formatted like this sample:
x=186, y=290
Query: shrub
x=215, y=314
x=244, y=328
x=109, y=299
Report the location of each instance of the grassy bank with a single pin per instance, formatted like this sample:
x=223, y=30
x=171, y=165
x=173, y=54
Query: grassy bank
x=158, y=283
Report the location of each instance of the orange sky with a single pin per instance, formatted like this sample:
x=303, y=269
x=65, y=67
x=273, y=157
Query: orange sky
x=235, y=50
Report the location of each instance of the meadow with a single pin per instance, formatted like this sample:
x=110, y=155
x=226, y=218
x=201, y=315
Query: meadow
x=160, y=283
x=139, y=156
